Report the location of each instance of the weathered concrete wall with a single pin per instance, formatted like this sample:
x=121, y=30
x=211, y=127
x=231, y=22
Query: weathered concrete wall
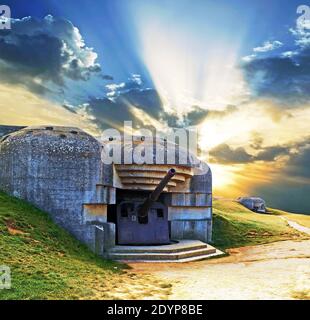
x=191, y=229
x=104, y=238
x=57, y=169
x=190, y=213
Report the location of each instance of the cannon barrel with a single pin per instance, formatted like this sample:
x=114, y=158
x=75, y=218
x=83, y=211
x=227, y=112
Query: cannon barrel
x=145, y=207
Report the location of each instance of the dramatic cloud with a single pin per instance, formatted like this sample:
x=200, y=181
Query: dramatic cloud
x=262, y=133
x=40, y=53
x=226, y=155
x=271, y=153
x=115, y=90
x=107, y=111
x=196, y=115
x=285, y=79
x=193, y=117
x=290, y=187
x=298, y=164
x=131, y=101
x=107, y=77
x=268, y=46
x=302, y=33
x=249, y=57
x=288, y=195
x=294, y=152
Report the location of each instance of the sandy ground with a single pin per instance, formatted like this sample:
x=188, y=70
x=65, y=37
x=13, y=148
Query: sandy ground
x=279, y=270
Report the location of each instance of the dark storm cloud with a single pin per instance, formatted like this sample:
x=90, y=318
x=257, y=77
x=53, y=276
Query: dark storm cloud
x=286, y=195
x=299, y=163
x=296, y=152
x=226, y=155
x=119, y=109
x=285, y=79
x=37, y=51
x=198, y=114
x=271, y=153
x=290, y=189
x=117, y=106
x=120, y=100
x=107, y=77
x=27, y=57
x=256, y=141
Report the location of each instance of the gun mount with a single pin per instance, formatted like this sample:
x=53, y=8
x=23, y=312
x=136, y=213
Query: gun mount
x=145, y=222
x=153, y=197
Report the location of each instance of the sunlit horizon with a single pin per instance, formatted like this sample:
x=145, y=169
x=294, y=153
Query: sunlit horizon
x=239, y=78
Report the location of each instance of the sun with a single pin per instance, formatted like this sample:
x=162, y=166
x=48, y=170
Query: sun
x=223, y=176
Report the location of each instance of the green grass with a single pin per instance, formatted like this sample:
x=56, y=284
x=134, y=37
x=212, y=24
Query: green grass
x=47, y=263
x=236, y=226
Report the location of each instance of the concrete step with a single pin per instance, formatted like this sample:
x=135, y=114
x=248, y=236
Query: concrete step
x=146, y=256
x=161, y=256
x=181, y=246
x=178, y=251
x=218, y=253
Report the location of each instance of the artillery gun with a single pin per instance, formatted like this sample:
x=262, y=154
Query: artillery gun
x=145, y=222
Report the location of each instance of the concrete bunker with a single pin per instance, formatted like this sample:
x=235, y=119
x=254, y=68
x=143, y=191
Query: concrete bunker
x=253, y=203
x=60, y=170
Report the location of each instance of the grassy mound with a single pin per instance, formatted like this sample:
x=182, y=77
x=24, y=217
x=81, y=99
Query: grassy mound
x=47, y=263
x=236, y=226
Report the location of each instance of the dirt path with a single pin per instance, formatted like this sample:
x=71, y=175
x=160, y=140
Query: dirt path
x=297, y=226
x=280, y=270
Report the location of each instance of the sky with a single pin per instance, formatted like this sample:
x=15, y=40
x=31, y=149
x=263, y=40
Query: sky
x=238, y=70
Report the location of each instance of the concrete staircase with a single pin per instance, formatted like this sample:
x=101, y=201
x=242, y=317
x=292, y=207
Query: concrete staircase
x=182, y=251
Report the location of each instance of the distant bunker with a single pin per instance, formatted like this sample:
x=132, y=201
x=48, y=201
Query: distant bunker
x=60, y=170
x=253, y=203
